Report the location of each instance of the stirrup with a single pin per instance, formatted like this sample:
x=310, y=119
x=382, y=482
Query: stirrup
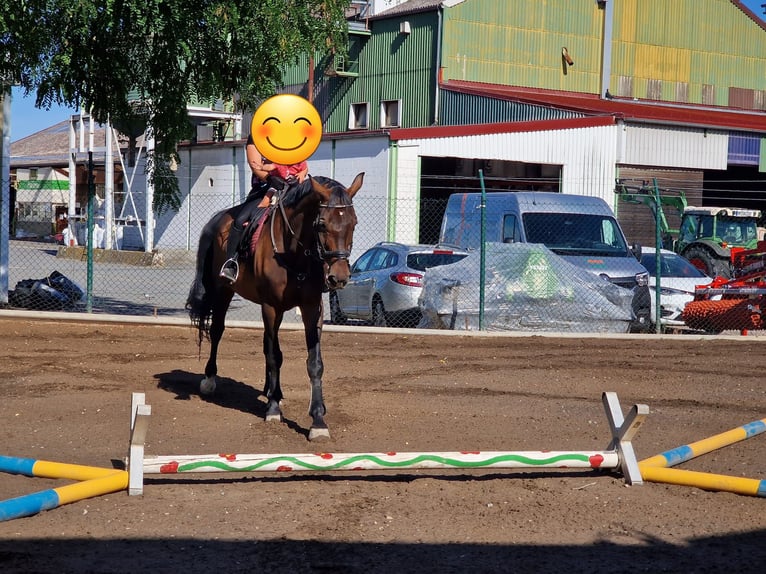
x=230, y=270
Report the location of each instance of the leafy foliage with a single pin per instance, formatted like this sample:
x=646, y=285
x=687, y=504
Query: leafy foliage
x=138, y=61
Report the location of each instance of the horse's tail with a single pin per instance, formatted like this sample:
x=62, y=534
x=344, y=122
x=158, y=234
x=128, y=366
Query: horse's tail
x=199, y=303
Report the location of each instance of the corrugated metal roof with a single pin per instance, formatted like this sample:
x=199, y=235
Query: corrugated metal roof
x=499, y=128
x=50, y=147
x=46, y=147
x=409, y=7
x=639, y=111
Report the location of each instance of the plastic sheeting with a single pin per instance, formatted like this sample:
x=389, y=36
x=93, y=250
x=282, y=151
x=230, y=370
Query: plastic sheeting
x=527, y=288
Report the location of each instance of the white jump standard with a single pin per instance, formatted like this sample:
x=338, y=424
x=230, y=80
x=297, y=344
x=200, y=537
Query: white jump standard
x=619, y=454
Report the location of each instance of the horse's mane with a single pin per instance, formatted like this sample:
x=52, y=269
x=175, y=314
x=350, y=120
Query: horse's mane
x=295, y=193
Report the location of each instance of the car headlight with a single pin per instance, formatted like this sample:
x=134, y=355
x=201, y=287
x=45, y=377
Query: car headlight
x=642, y=279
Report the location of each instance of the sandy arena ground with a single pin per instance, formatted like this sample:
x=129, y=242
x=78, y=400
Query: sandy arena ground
x=66, y=389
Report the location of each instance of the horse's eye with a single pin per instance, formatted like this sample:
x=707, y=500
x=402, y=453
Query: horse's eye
x=321, y=226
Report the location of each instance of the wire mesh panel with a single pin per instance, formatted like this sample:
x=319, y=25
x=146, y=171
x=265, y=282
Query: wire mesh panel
x=502, y=290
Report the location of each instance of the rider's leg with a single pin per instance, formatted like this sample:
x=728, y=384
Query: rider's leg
x=230, y=269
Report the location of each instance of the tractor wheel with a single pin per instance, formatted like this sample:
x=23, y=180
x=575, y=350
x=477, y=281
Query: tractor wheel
x=708, y=262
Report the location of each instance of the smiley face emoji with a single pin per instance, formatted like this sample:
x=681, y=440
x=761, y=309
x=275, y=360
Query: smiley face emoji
x=286, y=129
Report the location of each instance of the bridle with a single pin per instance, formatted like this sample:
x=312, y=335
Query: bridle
x=326, y=257
x=329, y=255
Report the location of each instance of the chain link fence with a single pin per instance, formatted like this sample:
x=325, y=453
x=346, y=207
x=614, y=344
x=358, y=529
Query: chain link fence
x=534, y=273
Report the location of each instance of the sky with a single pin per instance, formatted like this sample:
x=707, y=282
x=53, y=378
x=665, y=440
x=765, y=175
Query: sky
x=26, y=119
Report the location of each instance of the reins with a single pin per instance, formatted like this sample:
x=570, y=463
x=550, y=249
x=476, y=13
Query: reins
x=324, y=255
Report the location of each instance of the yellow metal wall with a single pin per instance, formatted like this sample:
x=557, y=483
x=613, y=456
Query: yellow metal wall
x=519, y=42
x=693, y=42
x=667, y=49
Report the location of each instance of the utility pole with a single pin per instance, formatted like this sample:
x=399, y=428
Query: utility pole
x=5, y=186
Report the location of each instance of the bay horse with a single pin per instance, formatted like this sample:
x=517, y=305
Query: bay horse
x=301, y=251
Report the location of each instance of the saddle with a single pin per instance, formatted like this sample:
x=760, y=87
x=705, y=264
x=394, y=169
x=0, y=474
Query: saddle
x=253, y=225
x=252, y=230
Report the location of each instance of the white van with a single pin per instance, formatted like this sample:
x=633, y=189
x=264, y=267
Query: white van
x=581, y=229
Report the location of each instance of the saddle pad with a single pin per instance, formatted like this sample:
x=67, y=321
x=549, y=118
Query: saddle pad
x=255, y=234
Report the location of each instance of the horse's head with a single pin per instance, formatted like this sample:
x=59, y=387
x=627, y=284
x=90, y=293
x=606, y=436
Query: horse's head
x=335, y=228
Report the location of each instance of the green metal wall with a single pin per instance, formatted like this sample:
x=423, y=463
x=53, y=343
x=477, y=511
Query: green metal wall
x=673, y=50
x=391, y=66
x=466, y=109
x=519, y=43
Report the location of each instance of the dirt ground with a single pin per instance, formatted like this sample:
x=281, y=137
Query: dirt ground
x=66, y=389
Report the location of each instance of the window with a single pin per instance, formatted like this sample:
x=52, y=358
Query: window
x=348, y=65
x=511, y=232
x=381, y=260
x=359, y=116
x=363, y=263
x=389, y=113
x=33, y=173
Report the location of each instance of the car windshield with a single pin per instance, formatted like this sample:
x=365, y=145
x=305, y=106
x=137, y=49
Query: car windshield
x=671, y=266
x=575, y=233
x=422, y=261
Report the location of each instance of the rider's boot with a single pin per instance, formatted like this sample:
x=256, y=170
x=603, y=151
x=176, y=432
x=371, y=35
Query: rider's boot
x=230, y=269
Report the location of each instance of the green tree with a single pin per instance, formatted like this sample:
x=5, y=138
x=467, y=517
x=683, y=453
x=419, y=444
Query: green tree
x=139, y=62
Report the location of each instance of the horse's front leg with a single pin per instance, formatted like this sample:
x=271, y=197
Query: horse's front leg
x=312, y=325
x=273, y=355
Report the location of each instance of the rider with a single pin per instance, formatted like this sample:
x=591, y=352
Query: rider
x=260, y=188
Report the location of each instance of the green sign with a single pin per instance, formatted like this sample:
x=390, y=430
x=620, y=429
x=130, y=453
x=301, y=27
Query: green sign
x=39, y=184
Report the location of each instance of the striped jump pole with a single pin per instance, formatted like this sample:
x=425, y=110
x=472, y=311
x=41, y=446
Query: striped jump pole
x=619, y=454
x=378, y=461
x=92, y=481
x=659, y=468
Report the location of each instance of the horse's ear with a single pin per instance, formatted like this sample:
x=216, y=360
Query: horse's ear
x=356, y=185
x=322, y=190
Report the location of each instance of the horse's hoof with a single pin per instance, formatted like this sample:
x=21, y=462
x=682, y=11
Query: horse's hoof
x=319, y=434
x=274, y=418
x=207, y=386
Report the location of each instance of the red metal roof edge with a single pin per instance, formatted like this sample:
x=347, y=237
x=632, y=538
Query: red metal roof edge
x=753, y=16
x=636, y=110
x=499, y=128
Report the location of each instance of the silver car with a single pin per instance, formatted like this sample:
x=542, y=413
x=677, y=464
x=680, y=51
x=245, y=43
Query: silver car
x=678, y=280
x=386, y=282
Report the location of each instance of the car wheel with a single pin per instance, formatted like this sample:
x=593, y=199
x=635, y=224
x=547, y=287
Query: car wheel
x=379, y=314
x=336, y=315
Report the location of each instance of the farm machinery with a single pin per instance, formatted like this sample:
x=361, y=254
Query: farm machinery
x=706, y=236
x=732, y=303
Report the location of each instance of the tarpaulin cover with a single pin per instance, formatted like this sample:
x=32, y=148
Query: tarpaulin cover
x=527, y=288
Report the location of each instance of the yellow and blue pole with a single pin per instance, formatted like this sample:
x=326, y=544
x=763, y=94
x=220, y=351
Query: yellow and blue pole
x=658, y=468
x=686, y=452
x=92, y=481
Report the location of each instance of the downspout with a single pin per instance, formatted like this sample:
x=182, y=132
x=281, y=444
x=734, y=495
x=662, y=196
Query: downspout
x=190, y=203
x=606, y=45
x=393, y=162
x=437, y=74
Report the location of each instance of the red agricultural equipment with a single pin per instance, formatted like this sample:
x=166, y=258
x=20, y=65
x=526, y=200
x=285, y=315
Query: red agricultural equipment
x=738, y=303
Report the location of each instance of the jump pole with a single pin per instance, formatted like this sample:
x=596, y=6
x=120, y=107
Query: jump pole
x=93, y=481
x=659, y=468
x=620, y=454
